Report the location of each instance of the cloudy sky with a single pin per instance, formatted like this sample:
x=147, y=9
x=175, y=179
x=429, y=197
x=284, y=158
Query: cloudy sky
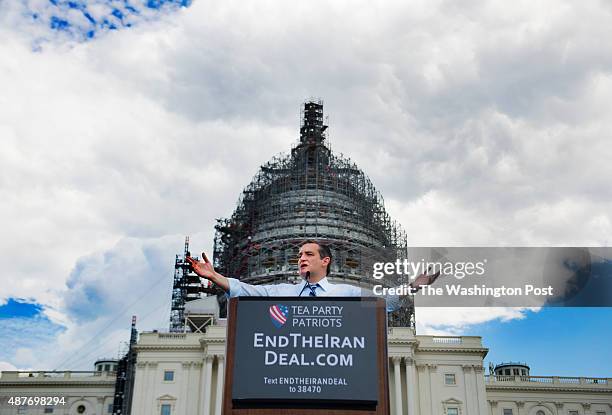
x=126, y=125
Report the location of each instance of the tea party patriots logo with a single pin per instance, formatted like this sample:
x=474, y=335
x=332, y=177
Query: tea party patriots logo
x=278, y=314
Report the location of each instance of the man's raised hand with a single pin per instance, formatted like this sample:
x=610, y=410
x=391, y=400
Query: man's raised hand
x=206, y=270
x=203, y=269
x=423, y=280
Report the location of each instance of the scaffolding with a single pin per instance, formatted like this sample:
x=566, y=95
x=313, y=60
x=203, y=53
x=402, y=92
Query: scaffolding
x=126, y=375
x=187, y=286
x=310, y=193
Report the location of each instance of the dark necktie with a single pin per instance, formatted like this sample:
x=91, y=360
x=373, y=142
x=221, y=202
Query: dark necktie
x=312, y=289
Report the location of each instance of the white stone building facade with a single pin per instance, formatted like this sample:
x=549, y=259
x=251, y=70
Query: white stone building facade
x=428, y=375
x=182, y=374
x=82, y=392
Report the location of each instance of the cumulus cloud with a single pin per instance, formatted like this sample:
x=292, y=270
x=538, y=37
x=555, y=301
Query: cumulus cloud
x=82, y=20
x=480, y=123
x=21, y=334
x=98, y=283
x=452, y=321
x=103, y=291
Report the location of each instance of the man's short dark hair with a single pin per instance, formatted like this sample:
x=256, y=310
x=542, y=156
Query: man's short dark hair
x=324, y=251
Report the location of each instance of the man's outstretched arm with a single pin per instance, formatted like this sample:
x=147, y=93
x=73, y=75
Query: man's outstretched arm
x=231, y=286
x=206, y=270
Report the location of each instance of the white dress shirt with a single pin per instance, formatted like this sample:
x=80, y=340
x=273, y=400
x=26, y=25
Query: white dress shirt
x=323, y=288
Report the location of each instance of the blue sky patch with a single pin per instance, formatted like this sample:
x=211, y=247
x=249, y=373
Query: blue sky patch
x=98, y=16
x=26, y=333
x=23, y=325
x=117, y=13
x=19, y=308
x=545, y=340
x=58, y=23
x=88, y=17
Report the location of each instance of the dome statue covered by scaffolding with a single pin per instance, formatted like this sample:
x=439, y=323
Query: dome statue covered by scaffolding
x=310, y=193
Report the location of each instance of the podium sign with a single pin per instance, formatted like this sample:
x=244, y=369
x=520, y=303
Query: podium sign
x=306, y=352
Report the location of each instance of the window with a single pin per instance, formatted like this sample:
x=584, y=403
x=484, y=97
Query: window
x=449, y=379
x=106, y=368
x=507, y=411
x=48, y=410
x=22, y=409
x=540, y=413
x=507, y=372
x=452, y=411
x=165, y=409
x=110, y=408
x=168, y=375
x=81, y=409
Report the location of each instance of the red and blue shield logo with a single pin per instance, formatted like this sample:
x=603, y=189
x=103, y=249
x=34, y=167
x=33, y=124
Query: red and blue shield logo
x=278, y=314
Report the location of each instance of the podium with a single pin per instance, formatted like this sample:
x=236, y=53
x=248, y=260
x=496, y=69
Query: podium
x=306, y=355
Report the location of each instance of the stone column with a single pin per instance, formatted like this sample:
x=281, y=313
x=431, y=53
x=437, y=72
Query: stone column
x=519, y=407
x=493, y=406
x=481, y=390
x=424, y=389
x=411, y=385
x=431, y=368
x=139, y=382
x=194, y=387
x=207, y=385
x=469, y=390
x=559, y=406
x=220, y=376
x=101, y=409
x=182, y=403
x=397, y=377
x=149, y=405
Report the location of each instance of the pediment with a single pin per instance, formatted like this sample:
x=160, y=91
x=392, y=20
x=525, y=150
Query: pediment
x=166, y=398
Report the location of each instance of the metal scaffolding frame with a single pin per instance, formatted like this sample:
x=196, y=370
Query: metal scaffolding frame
x=310, y=193
x=187, y=286
x=126, y=376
